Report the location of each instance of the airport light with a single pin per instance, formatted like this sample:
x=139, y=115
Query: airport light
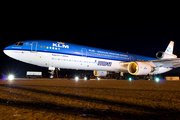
x=157, y=79
x=76, y=78
x=11, y=77
x=85, y=78
x=130, y=79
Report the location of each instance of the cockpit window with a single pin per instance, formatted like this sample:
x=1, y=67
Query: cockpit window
x=16, y=43
x=19, y=44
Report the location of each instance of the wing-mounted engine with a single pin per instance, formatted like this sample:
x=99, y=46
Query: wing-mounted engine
x=100, y=73
x=139, y=68
x=164, y=55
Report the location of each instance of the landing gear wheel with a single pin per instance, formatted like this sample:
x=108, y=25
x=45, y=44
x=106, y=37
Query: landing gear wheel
x=149, y=77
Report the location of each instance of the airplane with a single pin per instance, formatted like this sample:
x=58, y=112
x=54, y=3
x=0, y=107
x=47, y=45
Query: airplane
x=55, y=54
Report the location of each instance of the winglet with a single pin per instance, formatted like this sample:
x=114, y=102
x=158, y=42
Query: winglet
x=170, y=47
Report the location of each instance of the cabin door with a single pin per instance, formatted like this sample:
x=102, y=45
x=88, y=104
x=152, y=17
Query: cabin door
x=34, y=47
x=84, y=52
x=131, y=58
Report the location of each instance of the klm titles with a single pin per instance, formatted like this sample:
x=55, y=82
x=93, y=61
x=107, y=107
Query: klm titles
x=61, y=45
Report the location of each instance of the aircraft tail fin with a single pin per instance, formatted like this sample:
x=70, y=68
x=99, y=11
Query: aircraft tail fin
x=170, y=48
x=168, y=52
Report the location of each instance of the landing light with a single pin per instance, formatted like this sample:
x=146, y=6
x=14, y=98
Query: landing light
x=76, y=78
x=11, y=77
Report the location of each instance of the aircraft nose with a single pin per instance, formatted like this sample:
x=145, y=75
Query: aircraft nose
x=6, y=50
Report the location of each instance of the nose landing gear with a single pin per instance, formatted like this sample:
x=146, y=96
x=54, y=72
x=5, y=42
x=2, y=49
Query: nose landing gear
x=52, y=72
x=51, y=76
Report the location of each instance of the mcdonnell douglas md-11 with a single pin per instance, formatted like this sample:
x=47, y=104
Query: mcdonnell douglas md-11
x=54, y=54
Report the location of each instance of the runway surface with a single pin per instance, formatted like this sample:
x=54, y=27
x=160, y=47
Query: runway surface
x=103, y=99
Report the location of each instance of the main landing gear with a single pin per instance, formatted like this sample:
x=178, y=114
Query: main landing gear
x=153, y=77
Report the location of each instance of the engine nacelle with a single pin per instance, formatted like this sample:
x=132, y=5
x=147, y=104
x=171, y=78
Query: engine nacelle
x=100, y=73
x=139, y=68
x=164, y=55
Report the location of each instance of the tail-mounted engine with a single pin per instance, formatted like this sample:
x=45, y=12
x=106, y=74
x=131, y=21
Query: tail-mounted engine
x=139, y=68
x=164, y=55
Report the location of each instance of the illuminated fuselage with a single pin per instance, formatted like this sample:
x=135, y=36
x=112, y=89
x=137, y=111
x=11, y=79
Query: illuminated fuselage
x=53, y=54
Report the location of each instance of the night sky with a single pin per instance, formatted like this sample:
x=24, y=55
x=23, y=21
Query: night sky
x=142, y=36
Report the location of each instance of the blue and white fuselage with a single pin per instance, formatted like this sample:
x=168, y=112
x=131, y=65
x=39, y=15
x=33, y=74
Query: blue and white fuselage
x=53, y=54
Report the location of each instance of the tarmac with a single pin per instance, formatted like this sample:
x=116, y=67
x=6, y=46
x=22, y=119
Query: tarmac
x=63, y=99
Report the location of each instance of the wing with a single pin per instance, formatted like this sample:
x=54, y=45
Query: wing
x=173, y=62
